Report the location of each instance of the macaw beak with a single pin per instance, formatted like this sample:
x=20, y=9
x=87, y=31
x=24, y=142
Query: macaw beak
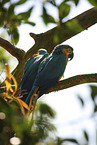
x=70, y=56
x=70, y=53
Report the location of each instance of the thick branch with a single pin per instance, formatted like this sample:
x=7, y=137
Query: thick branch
x=65, y=31
x=73, y=81
x=16, y=52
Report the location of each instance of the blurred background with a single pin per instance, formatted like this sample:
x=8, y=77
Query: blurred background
x=76, y=107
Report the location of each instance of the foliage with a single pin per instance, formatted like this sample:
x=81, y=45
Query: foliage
x=36, y=129
x=12, y=123
x=11, y=20
x=27, y=131
x=93, y=98
x=5, y=58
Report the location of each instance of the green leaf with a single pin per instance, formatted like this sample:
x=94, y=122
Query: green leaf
x=61, y=141
x=95, y=108
x=25, y=15
x=21, y=2
x=76, y=2
x=15, y=36
x=53, y=2
x=93, y=92
x=30, y=23
x=46, y=17
x=11, y=9
x=46, y=110
x=93, y=2
x=81, y=100
x=5, y=1
x=86, y=135
x=63, y=9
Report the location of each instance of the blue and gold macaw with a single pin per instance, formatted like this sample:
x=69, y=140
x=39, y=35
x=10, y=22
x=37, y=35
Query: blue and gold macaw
x=50, y=71
x=30, y=72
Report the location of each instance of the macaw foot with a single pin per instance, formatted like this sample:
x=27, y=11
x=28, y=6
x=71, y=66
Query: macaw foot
x=33, y=100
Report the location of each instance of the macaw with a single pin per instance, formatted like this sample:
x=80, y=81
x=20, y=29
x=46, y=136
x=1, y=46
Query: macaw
x=30, y=72
x=50, y=71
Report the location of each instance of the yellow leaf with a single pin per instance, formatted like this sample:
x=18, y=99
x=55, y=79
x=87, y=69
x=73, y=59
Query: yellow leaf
x=6, y=96
x=24, y=104
x=15, y=83
x=8, y=79
x=21, y=106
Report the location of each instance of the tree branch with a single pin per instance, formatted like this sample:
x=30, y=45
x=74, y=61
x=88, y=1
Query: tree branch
x=73, y=81
x=16, y=52
x=62, y=32
x=65, y=31
x=51, y=38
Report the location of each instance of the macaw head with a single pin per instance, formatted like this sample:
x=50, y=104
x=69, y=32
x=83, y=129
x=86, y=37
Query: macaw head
x=68, y=50
x=40, y=52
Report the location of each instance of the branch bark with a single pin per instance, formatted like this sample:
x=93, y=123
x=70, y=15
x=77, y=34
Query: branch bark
x=73, y=81
x=16, y=52
x=65, y=31
x=70, y=82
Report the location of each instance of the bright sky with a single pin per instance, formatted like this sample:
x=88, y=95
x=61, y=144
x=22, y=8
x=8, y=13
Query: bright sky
x=65, y=102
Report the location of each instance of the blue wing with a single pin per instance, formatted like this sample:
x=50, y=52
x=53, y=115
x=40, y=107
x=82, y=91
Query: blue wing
x=29, y=76
x=28, y=63
x=48, y=74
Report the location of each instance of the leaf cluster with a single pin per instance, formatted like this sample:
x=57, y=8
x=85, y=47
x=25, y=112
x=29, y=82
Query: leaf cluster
x=10, y=21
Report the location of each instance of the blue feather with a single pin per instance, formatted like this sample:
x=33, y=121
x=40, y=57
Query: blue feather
x=49, y=72
x=30, y=72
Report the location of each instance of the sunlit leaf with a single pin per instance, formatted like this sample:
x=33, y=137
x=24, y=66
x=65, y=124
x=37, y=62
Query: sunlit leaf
x=20, y=2
x=7, y=96
x=46, y=17
x=15, y=83
x=25, y=15
x=30, y=23
x=8, y=79
x=21, y=106
x=63, y=9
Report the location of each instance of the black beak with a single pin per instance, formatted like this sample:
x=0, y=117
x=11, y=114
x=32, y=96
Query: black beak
x=70, y=56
